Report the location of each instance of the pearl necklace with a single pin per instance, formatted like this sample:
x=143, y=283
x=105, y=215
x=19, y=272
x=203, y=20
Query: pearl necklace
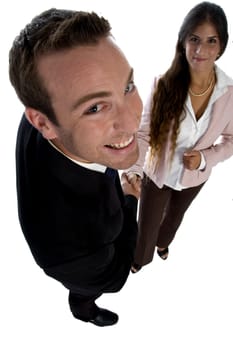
x=205, y=92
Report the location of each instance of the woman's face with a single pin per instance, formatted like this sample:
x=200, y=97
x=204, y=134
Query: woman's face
x=202, y=47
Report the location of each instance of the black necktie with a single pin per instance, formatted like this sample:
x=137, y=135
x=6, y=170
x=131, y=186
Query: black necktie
x=111, y=173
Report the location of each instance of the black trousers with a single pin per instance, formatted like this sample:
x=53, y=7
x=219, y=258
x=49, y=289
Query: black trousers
x=82, y=302
x=83, y=307
x=161, y=212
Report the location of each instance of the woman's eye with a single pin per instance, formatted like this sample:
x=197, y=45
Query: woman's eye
x=212, y=41
x=130, y=87
x=193, y=39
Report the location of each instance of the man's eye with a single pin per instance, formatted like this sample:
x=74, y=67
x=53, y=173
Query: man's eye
x=93, y=109
x=130, y=87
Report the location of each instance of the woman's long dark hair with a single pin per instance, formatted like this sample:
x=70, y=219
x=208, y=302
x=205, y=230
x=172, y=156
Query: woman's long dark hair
x=172, y=88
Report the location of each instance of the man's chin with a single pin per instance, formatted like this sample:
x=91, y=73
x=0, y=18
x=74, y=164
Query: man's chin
x=128, y=162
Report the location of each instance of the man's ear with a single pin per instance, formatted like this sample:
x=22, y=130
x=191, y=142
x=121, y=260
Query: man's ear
x=41, y=123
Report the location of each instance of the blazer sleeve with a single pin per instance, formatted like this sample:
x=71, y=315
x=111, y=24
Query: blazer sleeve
x=217, y=143
x=222, y=149
x=106, y=268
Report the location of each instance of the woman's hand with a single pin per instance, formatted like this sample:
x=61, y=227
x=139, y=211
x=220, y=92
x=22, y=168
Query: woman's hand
x=192, y=160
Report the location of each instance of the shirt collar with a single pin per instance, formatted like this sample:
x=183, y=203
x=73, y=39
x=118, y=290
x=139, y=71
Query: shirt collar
x=221, y=87
x=91, y=166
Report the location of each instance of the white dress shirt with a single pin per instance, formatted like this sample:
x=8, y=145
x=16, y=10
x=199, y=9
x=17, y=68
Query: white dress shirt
x=191, y=130
x=92, y=166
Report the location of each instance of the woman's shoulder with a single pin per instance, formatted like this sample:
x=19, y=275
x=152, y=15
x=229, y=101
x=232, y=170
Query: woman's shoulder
x=223, y=78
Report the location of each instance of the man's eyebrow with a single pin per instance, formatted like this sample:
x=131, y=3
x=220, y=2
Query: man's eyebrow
x=98, y=94
x=131, y=75
x=88, y=97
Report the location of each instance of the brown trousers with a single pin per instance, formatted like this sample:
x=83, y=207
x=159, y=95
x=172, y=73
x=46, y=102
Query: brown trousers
x=161, y=211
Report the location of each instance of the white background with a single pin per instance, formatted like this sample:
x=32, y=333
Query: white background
x=183, y=303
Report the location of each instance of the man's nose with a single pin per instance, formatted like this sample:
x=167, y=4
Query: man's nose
x=128, y=117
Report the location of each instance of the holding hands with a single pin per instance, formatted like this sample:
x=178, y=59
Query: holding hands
x=131, y=184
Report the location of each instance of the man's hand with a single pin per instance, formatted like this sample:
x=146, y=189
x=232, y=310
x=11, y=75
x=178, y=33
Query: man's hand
x=131, y=185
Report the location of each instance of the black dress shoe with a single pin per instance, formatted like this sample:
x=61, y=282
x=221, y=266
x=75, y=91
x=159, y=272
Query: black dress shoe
x=104, y=318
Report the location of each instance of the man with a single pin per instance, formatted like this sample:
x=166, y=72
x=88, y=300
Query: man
x=82, y=112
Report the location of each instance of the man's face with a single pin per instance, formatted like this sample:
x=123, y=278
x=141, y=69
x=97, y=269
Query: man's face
x=96, y=103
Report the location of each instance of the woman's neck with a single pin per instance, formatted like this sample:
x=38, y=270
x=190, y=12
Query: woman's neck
x=201, y=83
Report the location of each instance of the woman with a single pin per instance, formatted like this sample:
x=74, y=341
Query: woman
x=190, y=107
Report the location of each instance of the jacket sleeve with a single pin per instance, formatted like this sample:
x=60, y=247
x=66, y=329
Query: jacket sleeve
x=220, y=133
x=106, y=268
x=222, y=149
x=127, y=239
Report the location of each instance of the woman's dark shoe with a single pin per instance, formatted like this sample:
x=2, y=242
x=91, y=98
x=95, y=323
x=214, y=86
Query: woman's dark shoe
x=163, y=253
x=135, y=268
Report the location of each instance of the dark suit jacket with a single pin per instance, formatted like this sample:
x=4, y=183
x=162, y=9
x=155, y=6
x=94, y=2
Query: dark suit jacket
x=79, y=226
